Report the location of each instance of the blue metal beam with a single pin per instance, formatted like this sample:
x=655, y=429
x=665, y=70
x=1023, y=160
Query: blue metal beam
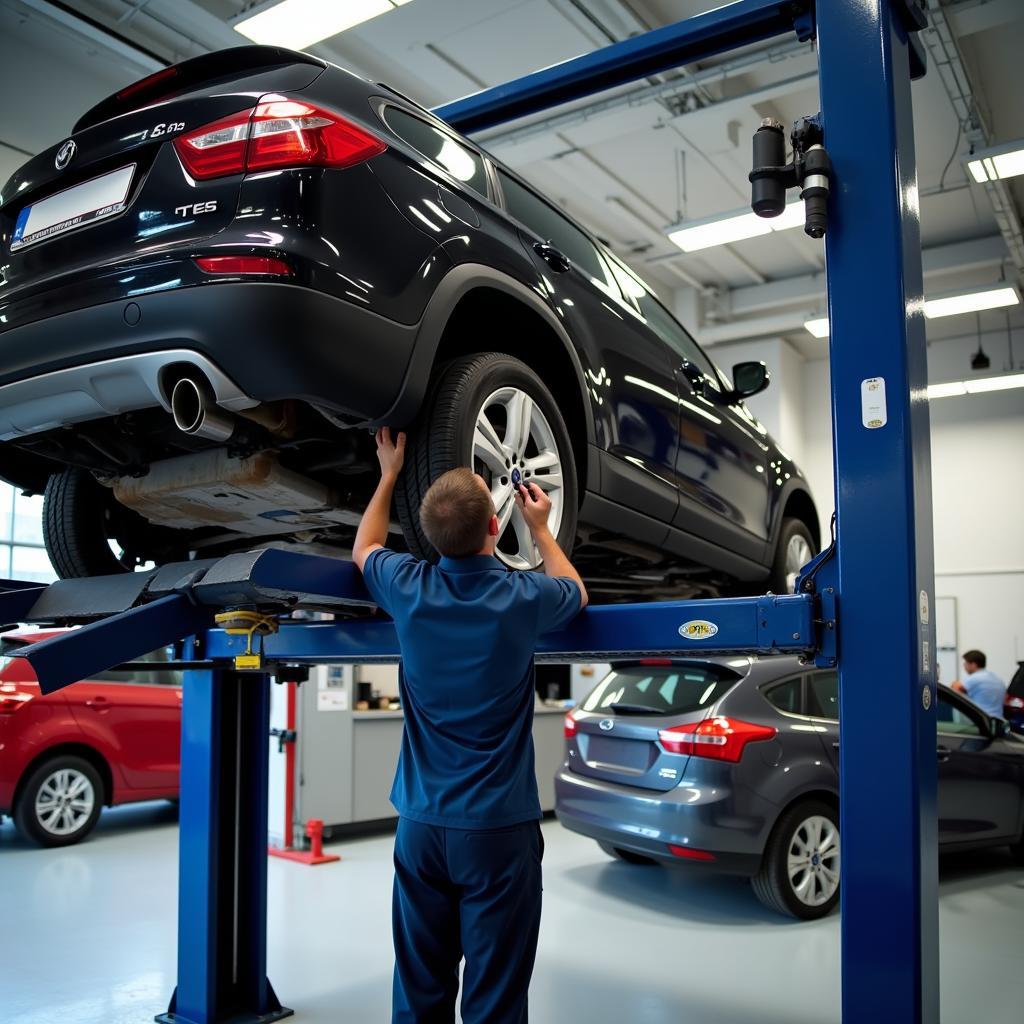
x=884, y=553
x=81, y=653
x=754, y=625
x=706, y=35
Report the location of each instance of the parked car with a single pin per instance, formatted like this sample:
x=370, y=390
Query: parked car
x=732, y=764
x=234, y=270
x=101, y=742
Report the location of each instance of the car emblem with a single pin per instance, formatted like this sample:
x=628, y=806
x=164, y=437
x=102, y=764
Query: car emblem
x=606, y=725
x=64, y=154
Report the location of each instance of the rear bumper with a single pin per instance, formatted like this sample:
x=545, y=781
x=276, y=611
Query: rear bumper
x=693, y=816
x=269, y=340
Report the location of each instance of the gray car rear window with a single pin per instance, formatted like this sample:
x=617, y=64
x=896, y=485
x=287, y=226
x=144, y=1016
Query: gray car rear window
x=660, y=690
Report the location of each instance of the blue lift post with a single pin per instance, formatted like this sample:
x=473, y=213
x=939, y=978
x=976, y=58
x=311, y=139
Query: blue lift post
x=881, y=574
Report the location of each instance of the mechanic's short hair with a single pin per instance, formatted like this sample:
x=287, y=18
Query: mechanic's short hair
x=976, y=658
x=455, y=513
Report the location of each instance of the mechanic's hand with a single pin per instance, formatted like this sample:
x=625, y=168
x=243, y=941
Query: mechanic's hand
x=535, y=506
x=390, y=454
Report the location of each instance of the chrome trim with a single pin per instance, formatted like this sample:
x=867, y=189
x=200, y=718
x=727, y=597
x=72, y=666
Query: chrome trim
x=91, y=391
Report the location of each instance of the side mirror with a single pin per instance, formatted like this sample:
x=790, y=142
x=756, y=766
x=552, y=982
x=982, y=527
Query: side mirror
x=998, y=728
x=749, y=379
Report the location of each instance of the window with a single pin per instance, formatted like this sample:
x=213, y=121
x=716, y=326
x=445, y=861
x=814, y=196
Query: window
x=787, y=696
x=458, y=160
x=154, y=677
x=550, y=226
x=953, y=718
x=823, y=695
x=662, y=322
x=650, y=690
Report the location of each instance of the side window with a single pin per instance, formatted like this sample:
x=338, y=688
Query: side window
x=550, y=226
x=153, y=677
x=952, y=718
x=438, y=146
x=787, y=696
x=823, y=695
x=662, y=322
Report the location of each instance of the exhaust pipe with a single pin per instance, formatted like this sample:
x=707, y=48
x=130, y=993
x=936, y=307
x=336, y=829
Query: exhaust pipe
x=195, y=410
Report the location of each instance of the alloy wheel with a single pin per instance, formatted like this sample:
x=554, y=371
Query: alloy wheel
x=64, y=802
x=813, y=861
x=798, y=554
x=513, y=443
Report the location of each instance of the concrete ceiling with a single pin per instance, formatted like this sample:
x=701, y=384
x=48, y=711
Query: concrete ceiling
x=627, y=163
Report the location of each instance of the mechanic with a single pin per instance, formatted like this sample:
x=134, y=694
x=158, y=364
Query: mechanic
x=468, y=847
x=982, y=685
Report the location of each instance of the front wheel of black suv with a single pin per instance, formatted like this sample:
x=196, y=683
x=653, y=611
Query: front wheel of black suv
x=88, y=533
x=793, y=551
x=493, y=413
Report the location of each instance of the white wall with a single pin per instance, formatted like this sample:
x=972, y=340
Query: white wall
x=977, y=444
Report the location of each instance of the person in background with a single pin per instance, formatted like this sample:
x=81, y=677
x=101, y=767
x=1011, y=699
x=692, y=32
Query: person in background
x=468, y=847
x=982, y=685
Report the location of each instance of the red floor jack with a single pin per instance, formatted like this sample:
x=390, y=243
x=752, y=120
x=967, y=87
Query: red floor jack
x=314, y=827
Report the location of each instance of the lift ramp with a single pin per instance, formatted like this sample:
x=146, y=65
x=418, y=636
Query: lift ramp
x=123, y=617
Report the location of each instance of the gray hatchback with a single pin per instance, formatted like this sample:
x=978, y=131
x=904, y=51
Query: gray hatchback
x=733, y=763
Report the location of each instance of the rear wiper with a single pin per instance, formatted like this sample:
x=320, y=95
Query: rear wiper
x=634, y=709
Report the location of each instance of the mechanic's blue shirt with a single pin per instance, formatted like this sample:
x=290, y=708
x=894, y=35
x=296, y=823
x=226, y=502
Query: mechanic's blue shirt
x=987, y=690
x=468, y=629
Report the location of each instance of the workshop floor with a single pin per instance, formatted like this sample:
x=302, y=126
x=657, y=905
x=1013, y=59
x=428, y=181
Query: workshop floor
x=88, y=937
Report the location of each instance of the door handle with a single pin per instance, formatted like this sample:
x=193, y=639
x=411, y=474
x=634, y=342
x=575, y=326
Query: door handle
x=693, y=375
x=943, y=753
x=97, y=703
x=556, y=260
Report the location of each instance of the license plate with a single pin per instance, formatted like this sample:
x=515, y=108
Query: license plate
x=75, y=207
x=631, y=755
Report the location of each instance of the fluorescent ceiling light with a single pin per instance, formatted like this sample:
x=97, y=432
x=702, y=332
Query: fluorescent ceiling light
x=819, y=328
x=1006, y=161
x=971, y=302
x=1010, y=380
x=704, y=234
x=954, y=387
x=976, y=387
x=297, y=24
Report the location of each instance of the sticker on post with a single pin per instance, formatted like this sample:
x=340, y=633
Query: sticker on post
x=872, y=403
x=924, y=607
x=698, y=629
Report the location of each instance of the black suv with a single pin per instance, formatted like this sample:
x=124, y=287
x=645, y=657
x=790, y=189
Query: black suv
x=236, y=266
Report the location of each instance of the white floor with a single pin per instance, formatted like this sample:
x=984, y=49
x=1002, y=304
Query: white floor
x=87, y=935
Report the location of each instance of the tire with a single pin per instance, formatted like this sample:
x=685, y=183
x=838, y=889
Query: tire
x=616, y=853
x=444, y=437
x=61, y=776
x=81, y=518
x=811, y=825
x=793, y=551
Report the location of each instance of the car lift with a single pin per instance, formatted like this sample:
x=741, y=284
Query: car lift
x=878, y=572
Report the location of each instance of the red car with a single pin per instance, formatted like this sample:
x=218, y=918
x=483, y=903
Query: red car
x=97, y=743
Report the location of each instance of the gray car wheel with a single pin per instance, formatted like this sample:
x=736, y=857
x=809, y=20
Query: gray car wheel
x=799, y=874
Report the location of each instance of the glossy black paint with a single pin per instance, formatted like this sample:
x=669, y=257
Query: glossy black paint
x=387, y=256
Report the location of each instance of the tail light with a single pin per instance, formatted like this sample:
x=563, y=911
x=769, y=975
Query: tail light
x=276, y=133
x=689, y=854
x=569, y=728
x=243, y=265
x=13, y=700
x=1014, y=702
x=722, y=739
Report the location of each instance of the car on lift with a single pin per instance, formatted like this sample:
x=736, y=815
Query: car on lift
x=115, y=739
x=732, y=765
x=233, y=271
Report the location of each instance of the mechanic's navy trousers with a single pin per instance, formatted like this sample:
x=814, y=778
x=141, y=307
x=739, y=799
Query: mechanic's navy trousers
x=473, y=894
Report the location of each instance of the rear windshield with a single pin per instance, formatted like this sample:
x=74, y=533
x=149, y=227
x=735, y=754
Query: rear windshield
x=660, y=689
